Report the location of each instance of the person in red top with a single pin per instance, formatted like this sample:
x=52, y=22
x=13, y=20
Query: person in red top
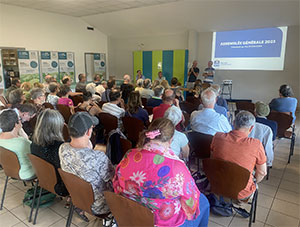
x=238, y=148
x=168, y=100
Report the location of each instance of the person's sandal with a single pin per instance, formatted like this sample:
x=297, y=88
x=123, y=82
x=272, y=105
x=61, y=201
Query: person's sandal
x=81, y=214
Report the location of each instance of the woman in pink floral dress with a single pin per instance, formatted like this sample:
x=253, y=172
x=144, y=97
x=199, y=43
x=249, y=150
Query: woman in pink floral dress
x=155, y=177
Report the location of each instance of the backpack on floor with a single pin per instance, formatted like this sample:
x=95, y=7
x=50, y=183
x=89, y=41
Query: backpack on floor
x=47, y=198
x=219, y=207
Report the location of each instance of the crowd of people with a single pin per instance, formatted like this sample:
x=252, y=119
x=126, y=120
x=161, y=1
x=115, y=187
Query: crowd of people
x=154, y=173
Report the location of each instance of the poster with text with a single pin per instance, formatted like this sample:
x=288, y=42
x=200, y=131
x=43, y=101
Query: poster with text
x=66, y=65
x=1, y=73
x=99, y=64
x=29, y=66
x=49, y=64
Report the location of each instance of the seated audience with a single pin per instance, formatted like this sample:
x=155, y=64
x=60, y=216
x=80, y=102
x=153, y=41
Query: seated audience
x=91, y=87
x=38, y=85
x=48, y=79
x=168, y=99
x=139, y=85
x=52, y=98
x=3, y=101
x=66, y=80
x=101, y=88
x=126, y=88
x=79, y=158
x=97, y=80
x=286, y=102
x=180, y=143
x=207, y=120
x=156, y=100
x=105, y=95
x=65, y=100
x=88, y=105
x=155, y=177
x=16, y=97
x=11, y=125
x=220, y=100
x=146, y=92
x=26, y=87
x=135, y=108
x=160, y=77
x=262, y=110
x=15, y=84
x=47, y=137
x=38, y=97
x=165, y=84
x=113, y=108
x=238, y=148
x=80, y=86
x=155, y=84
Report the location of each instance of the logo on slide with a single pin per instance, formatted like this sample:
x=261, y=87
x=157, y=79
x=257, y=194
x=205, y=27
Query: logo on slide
x=216, y=63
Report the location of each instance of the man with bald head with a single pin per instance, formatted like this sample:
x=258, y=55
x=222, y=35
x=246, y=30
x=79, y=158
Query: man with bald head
x=207, y=120
x=168, y=99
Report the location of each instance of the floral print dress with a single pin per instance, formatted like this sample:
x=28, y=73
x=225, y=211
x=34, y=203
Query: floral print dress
x=158, y=179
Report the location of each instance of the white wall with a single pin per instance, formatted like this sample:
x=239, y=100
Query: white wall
x=120, y=51
x=38, y=30
x=257, y=85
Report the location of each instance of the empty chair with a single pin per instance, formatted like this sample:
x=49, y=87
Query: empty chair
x=133, y=127
x=128, y=212
x=65, y=111
x=228, y=179
x=109, y=122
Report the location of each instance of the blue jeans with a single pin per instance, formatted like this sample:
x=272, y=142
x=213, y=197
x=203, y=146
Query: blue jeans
x=202, y=219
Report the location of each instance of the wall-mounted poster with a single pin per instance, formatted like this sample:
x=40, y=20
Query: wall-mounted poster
x=49, y=64
x=1, y=73
x=100, y=64
x=66, y=65
x=29, y=66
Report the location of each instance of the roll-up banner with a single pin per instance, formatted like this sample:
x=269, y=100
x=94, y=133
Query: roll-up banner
x=49, y=64
x=100, y=63
x=66, y=65
x=29, y=66
x=1, y=72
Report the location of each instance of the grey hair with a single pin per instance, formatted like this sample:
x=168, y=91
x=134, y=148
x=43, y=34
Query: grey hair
x=217, y=88
x=158, y=90
x=126, y=78
x=208, y=96
x=147, y=83
x=174, y=114
x=90, y=88
x=48, y=128
x=244, y=119
x=139, y=82
x=36, y=92
x=15, y=96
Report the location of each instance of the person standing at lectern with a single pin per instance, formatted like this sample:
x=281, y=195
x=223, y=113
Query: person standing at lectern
x=209, y=73
x=193, y=72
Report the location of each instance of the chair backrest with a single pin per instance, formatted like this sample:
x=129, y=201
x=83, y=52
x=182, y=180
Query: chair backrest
x=225, y=178
x=48, y=105
x=128, y=212
x=144, y=101
x=81, y=192
x=200, y=144
x=193, y=100
x=66, y=134
x=10, y=163
x=133, y=127
x=108, y=121
x=100, y=104
x=244, y=105
x=284, y=121
x=77, y=99
x=65, y=112
x=188, y=107
x=45, y=173
x=187, y=117
x=149, y=109
x=126, y=145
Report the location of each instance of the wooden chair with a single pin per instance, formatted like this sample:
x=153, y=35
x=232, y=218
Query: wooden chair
x=108, y=121
x=144, y=101
x=66, y=134
x=100, y=104
x=284, y=121
x=47, y=180
x=81, y=193
x=48, y=105
x=128, y=212
x=149, y=109
x=11, y=166
x=77, y=99
x=126, y=145
x=65, y=111
x=244, y=105
x=133, y=127
x=187, y=117
x=199, y=145
x=228, y=179
x=188, y=107
x=193, y=100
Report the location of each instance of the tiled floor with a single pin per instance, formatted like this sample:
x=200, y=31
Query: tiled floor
x=278, y=200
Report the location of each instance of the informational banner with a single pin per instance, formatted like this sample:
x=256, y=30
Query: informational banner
x=49, y=64
x=66, y=65
x=1, y=73
x=99, y=64
x=29, y=66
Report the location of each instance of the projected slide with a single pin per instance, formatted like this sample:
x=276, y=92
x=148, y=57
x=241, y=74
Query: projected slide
x=255, y=49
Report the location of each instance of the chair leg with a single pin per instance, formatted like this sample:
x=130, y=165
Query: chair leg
x=253, y=209
x=255, y=206
x=268, y=172
x=69, y=220
x=37, y=206
x=24, y=183
x=33, y=201
x=4, y=191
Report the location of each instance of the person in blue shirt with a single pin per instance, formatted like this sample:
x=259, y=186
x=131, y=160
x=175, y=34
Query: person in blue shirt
x=139, y=75
x=286, y=102
x=156, y=99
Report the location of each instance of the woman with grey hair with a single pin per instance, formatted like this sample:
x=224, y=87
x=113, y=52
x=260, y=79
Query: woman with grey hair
x=47, y=137
x=139, y=85
x=91, y=88
x=147, y=92
x=180, y=142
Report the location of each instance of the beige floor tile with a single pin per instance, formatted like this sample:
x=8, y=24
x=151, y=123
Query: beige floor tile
x=4, y=210
x=61, y=223
x=59, y=207
x=292, y=177
x=273, y=181
x=290, y=186
x=287, y=208
x=239, y=221
x=8, y=219
x=276, y=172
x=95, y=223
x=20, y=185
x=22, y=212
x=281, y=220
x=288, y=196
x=14, y=201
x=261, y=213
x=10, y=190
x=76, y=220
x=45, y=218
x=20, y=224
x=264, y=201
x=266, y=189
x=220, y=220
x=213, y=224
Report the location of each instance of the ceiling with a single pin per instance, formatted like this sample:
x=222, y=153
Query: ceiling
x=79, y=8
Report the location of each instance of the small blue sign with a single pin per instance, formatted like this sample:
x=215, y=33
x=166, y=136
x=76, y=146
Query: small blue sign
x=96, y=56
x=23, y=54
x=70, y=64
x=54, y=64
x=45, y=55
x=33, y=64
x=62, y=55
x=102, y=63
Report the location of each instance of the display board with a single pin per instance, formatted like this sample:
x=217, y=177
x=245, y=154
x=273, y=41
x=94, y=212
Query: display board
x=1, y=73
x=172, y=63
x=66, y=65
x=49, y=64
x=28, y=62
x=100, y=63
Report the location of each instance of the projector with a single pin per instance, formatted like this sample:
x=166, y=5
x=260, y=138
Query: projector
x=227, y=81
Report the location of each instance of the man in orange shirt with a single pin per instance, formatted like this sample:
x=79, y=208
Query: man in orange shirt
x=238, y=148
